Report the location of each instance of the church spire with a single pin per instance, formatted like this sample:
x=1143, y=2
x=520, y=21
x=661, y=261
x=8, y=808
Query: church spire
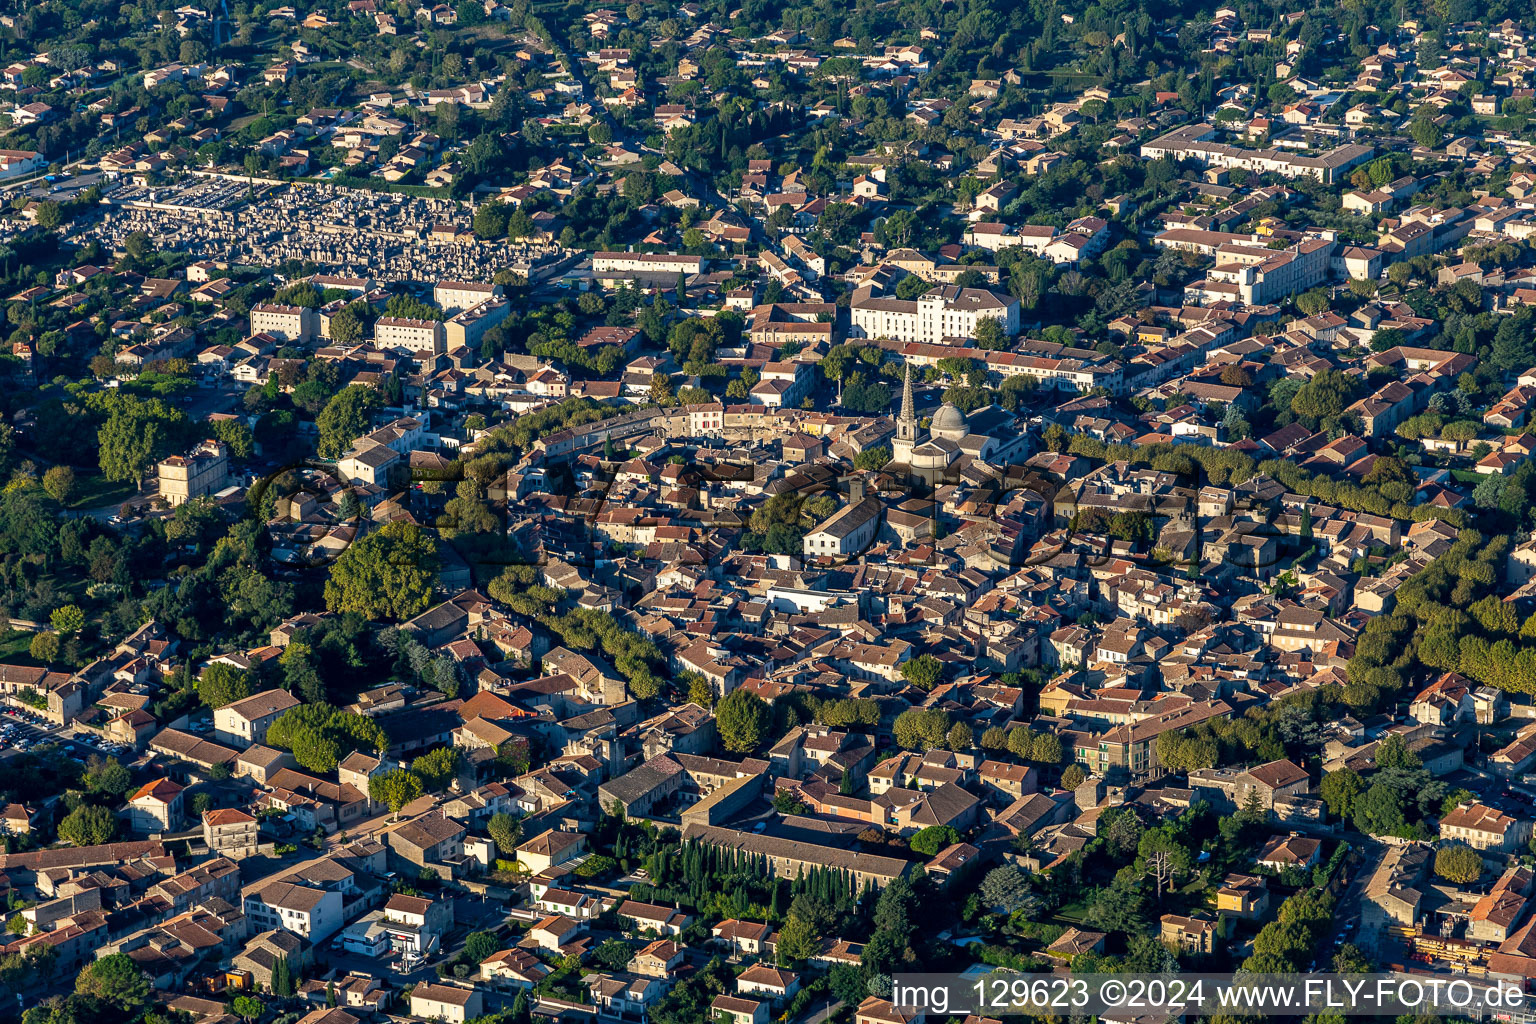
x=906, y=426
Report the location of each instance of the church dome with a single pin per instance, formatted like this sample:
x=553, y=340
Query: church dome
x=949, y=422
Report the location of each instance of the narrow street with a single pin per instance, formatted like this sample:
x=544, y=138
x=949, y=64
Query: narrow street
x=821, y=1012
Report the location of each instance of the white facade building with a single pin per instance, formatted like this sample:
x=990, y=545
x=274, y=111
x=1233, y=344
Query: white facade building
x=287, y=323
x=418, y=337
x=452, y=296
x=944, y=312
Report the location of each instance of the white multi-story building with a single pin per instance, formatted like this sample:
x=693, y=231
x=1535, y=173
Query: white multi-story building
x=358, y=286
x=783, y=384
x=16, y=162
x=246, y=721
x=452, y=296
x=994, y=236
x=286, y=323
x=416, y=925
x=945, y=312
x=646, y=263
x=469, y=326
x=446, y=1003
x=1263, y=275
x=308, y=912
x=850, y=530
x=367, y=463
x=418, y=337
x=1197, y=142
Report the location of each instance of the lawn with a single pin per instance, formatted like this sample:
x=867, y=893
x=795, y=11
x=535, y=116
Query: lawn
x=1071, y=913
x=96, y=490
x=13, y=647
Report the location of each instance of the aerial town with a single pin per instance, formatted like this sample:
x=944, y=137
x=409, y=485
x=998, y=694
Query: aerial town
x=673, y=513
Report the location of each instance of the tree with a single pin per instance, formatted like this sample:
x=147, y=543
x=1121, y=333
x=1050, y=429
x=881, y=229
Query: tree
x=929, y=841
x=490, y=221
x=118, y=982
x=389, y=574
x=1339, y=790
x=961, y=737
x=1389, y=337
x=1380, y=810
x=785, y=802
x=49, y=214
x=300, y=677
x=222, y=684
x=741, y=719
x=505, y=831
x=872, y=458
x=67, y=620
x=1458, y=864
x=799, y=940
x=346, y=326
x=285, y=980
x=700, y=690
x=1073, y=776
x=1313, y=302
x=136, y=245
x=247, y=1008
x=1234, y=376
x=479, y=946
x=514, y=756
x=1279, y=94
x=237, y=435
x=345, y=418
x=1045, y=748
x=88, y=825
x=134, y=435
x=923, y=671
x=990, y=333
x=921, y=728
x=44, y=647
x=1322, y=398
x=437, y=768
x=59, y=482
x=107, y=777
x=520, y=225
x=1005, y=890
x=395, y=789
x=1394, y=753
x=1118, y=907
x=1163, y=858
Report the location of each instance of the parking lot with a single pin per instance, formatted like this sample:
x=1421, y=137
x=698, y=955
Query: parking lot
x=66, y=187
x=22, y=729
x=96, y=745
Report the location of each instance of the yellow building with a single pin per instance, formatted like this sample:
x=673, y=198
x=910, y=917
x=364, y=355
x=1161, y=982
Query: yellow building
x=203, y=472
